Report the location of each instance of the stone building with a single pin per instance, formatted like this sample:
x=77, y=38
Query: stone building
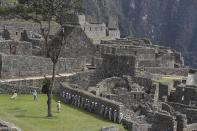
x=78, y=44
x=95, y=31
x=16, y=47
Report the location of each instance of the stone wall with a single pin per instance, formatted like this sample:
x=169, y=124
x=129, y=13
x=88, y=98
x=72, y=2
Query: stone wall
x=185, y=95
x=37, y=46
x=95, y=31
x=161, y=122
x=191, y=112
x=133, y=125
x=168, y=71
x=163, y=91
x=151, y=121
x=166, y=60
x=14, y=26
x=146, y=63
x=117, y=65
x=145, y=82
x=82, y=79
x=74, y=19
x=114, y=85
x=13, y=66
x=15, y=47
x=90, y=102
x=192, y=78
x=78, y=45
x=192, y=127
x=162, y=63
x=114, y=33
x=146, y=55
x=139, y=53
x=133, y=99
x=21, y=89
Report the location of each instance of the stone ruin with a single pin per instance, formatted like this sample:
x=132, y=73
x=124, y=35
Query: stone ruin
x=115, y=79
x=5, y=126
x=95, y=31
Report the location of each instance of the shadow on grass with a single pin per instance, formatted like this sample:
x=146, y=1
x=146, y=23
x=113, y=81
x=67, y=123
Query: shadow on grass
x=83, y=111
x=17, y=110
x=36, y=117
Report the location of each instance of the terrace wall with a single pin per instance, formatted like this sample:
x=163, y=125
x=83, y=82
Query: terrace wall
x=13, y=66
x=16, y=47
x=66, y=88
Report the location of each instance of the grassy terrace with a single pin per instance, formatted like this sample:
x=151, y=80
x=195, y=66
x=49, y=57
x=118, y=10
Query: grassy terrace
x=31, y=116
x=9, y=1
x=168, y=79
x=26, y=22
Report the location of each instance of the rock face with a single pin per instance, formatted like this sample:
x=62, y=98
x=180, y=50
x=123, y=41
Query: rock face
x=167, y=22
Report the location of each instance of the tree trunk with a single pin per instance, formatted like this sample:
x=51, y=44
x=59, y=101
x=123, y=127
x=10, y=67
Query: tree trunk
x=50, y=94
x=45, y=47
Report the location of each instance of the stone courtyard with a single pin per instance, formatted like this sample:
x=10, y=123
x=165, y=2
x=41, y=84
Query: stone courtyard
x=133, y=82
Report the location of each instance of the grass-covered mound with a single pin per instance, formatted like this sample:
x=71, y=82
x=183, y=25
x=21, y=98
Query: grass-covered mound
x=31, y=115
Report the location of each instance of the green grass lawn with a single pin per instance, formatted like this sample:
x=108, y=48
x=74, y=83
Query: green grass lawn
x=31, y=116
x=168, y=79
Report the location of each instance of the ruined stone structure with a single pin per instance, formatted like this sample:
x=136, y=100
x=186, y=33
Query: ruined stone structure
x=95, y=31
x=117, y=65
x=6, y=126
x=11, y=47
x=147, y=54
x=115, y=79
x=17, y=27
x=180, y=99
x=78, y=44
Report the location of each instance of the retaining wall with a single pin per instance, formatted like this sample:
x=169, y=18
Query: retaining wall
x=13, y=66
x=168, y=71
x=10, y=89
x=16, y=47
x=80, y=96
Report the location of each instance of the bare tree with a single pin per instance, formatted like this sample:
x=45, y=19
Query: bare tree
x=54, y=50
x=48, y=11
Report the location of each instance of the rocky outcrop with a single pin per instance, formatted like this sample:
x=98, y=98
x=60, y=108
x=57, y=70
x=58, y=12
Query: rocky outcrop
x=5, y=126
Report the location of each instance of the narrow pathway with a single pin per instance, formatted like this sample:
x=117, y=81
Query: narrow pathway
x=38, y=77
